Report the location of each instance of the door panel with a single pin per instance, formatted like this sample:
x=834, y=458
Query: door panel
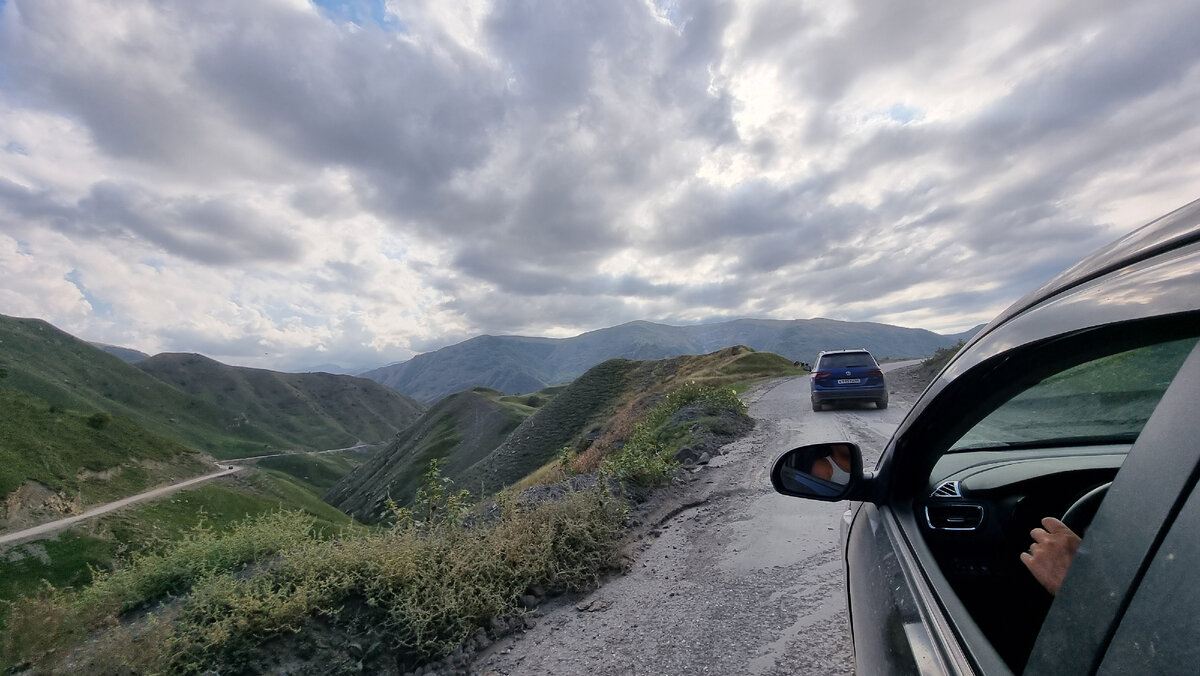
x=891, y=607
x=1159, y=633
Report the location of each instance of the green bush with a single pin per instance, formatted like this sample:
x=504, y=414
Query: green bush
x=99, y=421
x=416, y=591
x=647, y=457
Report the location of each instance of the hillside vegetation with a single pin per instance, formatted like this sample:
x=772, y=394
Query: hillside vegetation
x=519, y=364
x=582, y=423
x=55, y=462
x=443, y=579
x=71, y=558
x=71, y=374
x=459, y=430
x=275, y=589
x=306, y=410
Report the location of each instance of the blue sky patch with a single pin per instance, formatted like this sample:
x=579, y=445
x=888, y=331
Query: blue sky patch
x=904, y=114
x=100, y=307
x=360, y=12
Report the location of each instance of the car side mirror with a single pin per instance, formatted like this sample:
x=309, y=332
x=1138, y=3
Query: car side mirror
x=827, y=471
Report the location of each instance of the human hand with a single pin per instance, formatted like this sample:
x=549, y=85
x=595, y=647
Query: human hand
x=1054, y=547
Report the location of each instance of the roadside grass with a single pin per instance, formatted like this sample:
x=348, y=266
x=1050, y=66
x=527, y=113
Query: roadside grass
x=317, y=471
x=65, y=561
x=414, y=592
x=940, y=357
x=69, y=559
x=647, y=456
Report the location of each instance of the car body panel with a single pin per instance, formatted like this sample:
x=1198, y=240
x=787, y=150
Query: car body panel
x=1169, y=590
x=1143, y=288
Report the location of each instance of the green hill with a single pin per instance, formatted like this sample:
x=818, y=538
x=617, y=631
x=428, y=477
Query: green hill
x=592, y=412
x=460, y=429
x=71, y=374
x=314, y=411
x=54, y=462
x=593, y=415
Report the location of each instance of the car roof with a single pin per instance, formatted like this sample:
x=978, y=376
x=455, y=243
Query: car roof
x=1177, y=229
x=851, y=351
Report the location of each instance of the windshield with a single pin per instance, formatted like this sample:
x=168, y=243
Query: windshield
x=848, y=360
x=1107, y=400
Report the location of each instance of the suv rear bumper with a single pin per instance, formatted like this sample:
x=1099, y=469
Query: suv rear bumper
x=845, y=394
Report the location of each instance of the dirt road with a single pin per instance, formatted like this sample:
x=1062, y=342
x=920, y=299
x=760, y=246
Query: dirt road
x=735, y=579
x=61, y=524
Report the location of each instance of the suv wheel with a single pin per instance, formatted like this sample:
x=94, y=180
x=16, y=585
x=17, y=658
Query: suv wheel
x=817, y=406
x=882, y=403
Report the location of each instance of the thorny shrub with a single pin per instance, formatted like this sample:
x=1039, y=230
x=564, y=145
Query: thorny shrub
x=420, y=588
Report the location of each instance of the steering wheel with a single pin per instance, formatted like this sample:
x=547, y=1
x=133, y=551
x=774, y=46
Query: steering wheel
x=1079, y=515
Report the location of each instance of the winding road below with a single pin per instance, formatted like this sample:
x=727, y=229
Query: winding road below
x=62, y=524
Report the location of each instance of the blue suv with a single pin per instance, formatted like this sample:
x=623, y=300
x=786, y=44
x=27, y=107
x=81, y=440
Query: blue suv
x=847, y=375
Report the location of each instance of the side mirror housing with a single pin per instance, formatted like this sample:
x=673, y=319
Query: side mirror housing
x=829, y=471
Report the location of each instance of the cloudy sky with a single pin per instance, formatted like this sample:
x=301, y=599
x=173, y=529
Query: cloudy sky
x=286, y=183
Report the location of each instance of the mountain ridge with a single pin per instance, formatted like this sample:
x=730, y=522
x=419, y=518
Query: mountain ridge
x=519, y=364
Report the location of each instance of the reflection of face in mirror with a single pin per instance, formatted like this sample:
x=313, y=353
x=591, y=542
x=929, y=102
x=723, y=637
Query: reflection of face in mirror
x=822, y=469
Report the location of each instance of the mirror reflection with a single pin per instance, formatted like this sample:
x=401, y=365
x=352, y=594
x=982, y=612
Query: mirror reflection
x=821, y=469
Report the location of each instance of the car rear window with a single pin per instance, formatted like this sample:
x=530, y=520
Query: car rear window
x=845, y=360
x=1107, y=400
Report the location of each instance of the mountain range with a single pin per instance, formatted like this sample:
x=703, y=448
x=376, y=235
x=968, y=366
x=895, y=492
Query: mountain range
x=519, y=364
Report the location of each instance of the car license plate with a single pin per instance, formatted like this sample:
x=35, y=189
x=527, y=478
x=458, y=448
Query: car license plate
x=849, y=381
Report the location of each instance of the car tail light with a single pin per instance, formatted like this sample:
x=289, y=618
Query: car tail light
x=820, y=375
x=875, y=372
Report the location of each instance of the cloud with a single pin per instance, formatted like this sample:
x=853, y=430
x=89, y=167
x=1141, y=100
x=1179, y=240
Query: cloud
x=281, y=183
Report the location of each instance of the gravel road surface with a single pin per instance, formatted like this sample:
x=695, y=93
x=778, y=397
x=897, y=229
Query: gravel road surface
x=730, y=577
x=64, y=523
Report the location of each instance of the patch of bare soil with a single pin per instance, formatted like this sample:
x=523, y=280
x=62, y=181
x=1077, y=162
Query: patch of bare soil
x=32, y=504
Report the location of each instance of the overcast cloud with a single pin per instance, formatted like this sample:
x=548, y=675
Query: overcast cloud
x=285, y=183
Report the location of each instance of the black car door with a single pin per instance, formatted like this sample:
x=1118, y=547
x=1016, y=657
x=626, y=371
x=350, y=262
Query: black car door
x=907, y=587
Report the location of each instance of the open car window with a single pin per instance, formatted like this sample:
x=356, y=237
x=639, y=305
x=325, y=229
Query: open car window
x=1104, y=401
x=1039, y=449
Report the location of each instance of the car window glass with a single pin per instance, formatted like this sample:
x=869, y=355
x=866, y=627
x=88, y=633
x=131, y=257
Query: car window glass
x=1107, y=400
x=841, y=361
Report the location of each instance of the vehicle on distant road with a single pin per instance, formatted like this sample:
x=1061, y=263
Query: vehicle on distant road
x=847, y=375
x=1081, y=401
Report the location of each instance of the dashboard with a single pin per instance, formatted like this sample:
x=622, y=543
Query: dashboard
x=979, y=508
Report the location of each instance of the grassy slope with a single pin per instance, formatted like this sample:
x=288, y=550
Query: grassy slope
x=234, y=412
x=66, y=560
x=618, y=386
x=460, y=429
x=587, y=408
x=67, y=372
x=60, y=449
x=318, y=472
x=315, y=411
